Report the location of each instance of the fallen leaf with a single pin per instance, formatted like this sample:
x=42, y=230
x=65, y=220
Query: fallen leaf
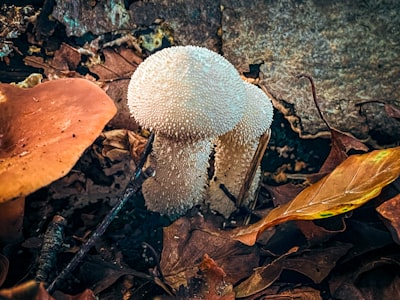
x=100, y=274
x=29, y=290
x=42, y=294
x=215, y=287
x=304, y=292
x=376, y=279
x=187, y=240
x=4, y=264
x=319, y=233
x=262, y=277
x=67, y=58
x=317, y=263
x=39, y=62
x=392, y=111
x=341, y=144
x=116, y=64
x=355, y=181
x=389, y=210
x=282, y=194
x=85, y=295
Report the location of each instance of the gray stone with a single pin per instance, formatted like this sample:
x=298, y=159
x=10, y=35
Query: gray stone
x=350, y=48
x=193, y=22
x=97, y=17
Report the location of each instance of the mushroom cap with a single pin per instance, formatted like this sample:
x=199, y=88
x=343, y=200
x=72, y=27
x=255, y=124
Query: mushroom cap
x=45, y=129
x=257, y=118
x=186, y=92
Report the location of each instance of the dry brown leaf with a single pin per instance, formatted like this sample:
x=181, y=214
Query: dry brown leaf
x=316, y=234
x=85, y=295
x=215, y=287
x=355, y=181
x=341, y=144
x=376, y=279
x=392, y=111
x=282, y=194
x=188, y=239
x=389, y=210
x=116, y=65
x=119, y=143
x=29, y=290
x=4, y=264
x=262, y=277
x=304, y=292
x=67, y=58
x=316, y=264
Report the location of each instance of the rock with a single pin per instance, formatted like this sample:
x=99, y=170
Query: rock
x=193, y=22
x=97, y=17
x=350, y=48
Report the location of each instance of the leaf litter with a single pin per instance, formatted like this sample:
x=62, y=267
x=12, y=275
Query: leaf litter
x=292, y=254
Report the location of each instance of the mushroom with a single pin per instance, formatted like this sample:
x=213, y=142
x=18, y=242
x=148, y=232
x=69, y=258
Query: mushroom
x=43, y=132
x=188, y=96
x=235, y=149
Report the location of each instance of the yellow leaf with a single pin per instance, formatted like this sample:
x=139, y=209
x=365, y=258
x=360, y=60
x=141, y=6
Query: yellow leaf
x=354, y=182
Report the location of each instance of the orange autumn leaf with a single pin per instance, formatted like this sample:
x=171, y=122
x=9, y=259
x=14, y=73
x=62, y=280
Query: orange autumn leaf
x=354, y=182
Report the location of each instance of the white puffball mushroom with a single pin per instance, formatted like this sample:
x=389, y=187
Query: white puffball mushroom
x=235, y=149
x=188, y=96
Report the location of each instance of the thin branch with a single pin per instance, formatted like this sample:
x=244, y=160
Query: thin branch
x=315, y=99
x=258, y=155
x=135, y=184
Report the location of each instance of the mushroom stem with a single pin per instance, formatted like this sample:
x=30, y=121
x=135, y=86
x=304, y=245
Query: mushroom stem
x=232, y=160
x=234, y=153
x=181, y=167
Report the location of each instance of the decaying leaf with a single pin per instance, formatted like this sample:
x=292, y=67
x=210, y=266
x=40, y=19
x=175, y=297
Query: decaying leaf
x=298, y=293
x=342, y=143
x=120, y=142
x=4, y=264
x=316, y=264
x=376, y=279
x=118, y=64
x=316, y=234
x=262, y=277
x=64, y=63
x=67, y=58
x=392, y=111
x=28, y=290
x=215, y=287
x=85, y=295
x=389, y=210
x=187, y=240
x=355, y=181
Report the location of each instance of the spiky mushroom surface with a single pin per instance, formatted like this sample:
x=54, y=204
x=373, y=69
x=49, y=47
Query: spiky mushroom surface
x=235, y=150
x=187, y=95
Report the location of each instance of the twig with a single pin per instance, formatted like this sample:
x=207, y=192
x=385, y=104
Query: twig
x=258, y=155
x=227, y=193
x=315, y=99
x=52, y=241
x=156, y=257
x=131, y=189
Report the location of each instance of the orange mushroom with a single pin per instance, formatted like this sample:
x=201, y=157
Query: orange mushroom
x=43, y=132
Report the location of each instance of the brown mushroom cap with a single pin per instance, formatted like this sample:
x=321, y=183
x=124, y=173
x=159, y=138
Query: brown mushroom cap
x=186, y=92
x=45, y=129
